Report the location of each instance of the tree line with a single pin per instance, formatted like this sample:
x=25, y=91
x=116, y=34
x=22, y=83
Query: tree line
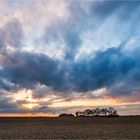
x=111, y=112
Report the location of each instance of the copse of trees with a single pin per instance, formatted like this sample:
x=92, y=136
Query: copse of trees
x=110, y=112
x=98, y=112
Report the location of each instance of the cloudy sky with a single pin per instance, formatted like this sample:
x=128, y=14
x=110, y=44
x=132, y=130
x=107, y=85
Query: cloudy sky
x=68, y=55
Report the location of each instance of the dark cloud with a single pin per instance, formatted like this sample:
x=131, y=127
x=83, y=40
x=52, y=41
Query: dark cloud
x=102, y=71
x=7, y=105
x=45, y=109
x=105, y=8
x=5, y=85
x=105, y=69
x=27, y=70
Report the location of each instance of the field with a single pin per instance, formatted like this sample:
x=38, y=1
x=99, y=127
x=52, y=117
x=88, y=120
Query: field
x=70, y=127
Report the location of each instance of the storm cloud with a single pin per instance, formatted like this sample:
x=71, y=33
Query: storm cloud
x=104, y=70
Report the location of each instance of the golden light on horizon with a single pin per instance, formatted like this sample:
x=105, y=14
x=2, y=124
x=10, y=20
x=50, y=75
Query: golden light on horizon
x=25, y=100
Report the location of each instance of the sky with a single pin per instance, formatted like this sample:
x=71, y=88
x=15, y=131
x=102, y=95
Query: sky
x=68, y=55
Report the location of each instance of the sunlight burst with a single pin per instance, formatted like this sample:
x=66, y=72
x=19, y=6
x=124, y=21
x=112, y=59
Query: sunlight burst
x=30, y=105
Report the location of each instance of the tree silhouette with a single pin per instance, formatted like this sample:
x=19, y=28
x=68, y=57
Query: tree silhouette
x=88, y=112
x=98, y=112
x=104, y=111
x=112, y=111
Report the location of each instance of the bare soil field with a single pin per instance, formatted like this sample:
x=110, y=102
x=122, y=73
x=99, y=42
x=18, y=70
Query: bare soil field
x=70, y=128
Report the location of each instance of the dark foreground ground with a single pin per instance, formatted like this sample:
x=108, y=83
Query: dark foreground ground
x=70, y=128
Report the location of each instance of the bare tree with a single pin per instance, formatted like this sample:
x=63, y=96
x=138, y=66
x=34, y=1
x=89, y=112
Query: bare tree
x=97, y=111
x=104, y=111
x=112, y=111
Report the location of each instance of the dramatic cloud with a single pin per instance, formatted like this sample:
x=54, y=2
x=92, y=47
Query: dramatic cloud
x=68, y=51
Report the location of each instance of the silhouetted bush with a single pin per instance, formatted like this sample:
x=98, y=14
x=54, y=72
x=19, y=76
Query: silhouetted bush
x=66, y=115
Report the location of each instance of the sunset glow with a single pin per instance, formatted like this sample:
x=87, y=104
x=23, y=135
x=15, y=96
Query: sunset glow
x=30, y=105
